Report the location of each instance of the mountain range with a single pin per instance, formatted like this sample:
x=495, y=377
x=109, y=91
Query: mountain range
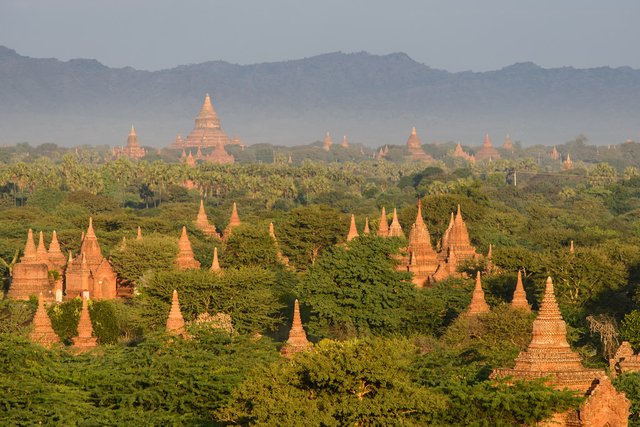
x=373, y=99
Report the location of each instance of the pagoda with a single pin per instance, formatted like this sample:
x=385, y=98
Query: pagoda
x=414, y=145
x=132, y=150
x=519, y=299
x=383, y=227
x=56, y=257
x=85, y=340
x=175, y=321
x=366, y=229
x=421, y=259
x=353, y=231
x=138, y=234
x=272, y=233
x=30, y=276
x=207, y=131
x=190, y=161
x=458, y=240
x=215, y=264
x=185, y=259
x=42, y=332
x=297, y=340
x=624, y=360
x=326, y=146
x=219, y=155
x=508, y=144
x=487, y=152
x=202, y=222
x=555, y=155
x=459, y=152
x=549, y=356
x=234, y=221
x=344, y=143
x=567, y=165
x=395, y=230
x=90, y=271
x=478, y=304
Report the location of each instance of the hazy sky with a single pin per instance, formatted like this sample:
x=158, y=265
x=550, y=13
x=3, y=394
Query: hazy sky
x=448, y=34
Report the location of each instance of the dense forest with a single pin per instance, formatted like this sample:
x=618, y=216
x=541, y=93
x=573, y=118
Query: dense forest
x=385, y=352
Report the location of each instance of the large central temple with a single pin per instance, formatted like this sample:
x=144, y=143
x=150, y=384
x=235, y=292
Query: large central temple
x=207, y=131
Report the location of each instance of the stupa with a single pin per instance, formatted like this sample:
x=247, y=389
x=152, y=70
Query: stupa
x=30, y=276
x=272, y=233
x=567, y=165
x=185, y=259
x=41, y=252
x=90, y=271
x=42, y=332
x=175, y=321
x=487, y=152
x=207, y=131
x=344, y=143
x=215, y=264
x=458, y=240
x=555, y=155
x=56, y=257
x=549, y=356
x=219, y=155
x=478, y=304
x=190, y=161
x=234, y=221
x=326, y=146
x=132, y=150
x=395, y=230
x=366, y=229
x=421, y=259
x=85, y=340
x=202, y=222
x=297, y=340
x=459, y=152
x=383, y=227
x=508, y=144
x=414, y=145
x=519, y=299
x=139, y=234
x=353, y=231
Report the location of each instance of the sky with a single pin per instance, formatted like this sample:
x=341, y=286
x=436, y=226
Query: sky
x=459, y=35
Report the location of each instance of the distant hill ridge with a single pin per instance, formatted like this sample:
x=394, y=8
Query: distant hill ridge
x=374, y=99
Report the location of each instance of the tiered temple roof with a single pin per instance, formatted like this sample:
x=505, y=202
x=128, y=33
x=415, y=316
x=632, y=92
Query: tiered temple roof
x=487, y=152
x=458, y=241
x=395, y=230
x=567, y=165
x=30, y=276
x=202, y=222
x=185, y=259
x=132, y=149
x=56, y=257
x=85, y=339
x=90, y=271
x=423, y=260
x=175, y=321
x=207, y=131
x=519, y=299
x=353, y=231
x=42, y=332
x=297, y=340
x=414, y=145
x=219, y=155
x=478, y=304
x=459, y=152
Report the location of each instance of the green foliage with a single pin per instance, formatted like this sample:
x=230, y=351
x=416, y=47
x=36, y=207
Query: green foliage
x=250, y=245
x=15, y=316
x=143, y=257
x=65, y=316
x=630, y=328
x=629, y=383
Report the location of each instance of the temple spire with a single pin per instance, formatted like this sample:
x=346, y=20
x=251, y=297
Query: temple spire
x=478, y=304
x=327, y=142
x=185, y=258
x=84, y=341
x=30, y=251
x=366, y=226
x=55, y=253
x=215, y=265
x=139, y=235
x=571, y=248
x=519, y=295
x=175, y=321
x=43, y=332
x=297, y=341
x=41, y=252
x=353, y=231
x=383, y=228
x=395, y=229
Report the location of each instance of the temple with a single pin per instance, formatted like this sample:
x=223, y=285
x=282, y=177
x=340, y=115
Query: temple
x=567, y=165
x=42, y=332
x=215, y=264
x=519, y=299
x=56, y=257
x=326, y=146
x=132, y=150
x=422, y=259
x=478, y=304
x=353, y=231
x=297, y=340
x=139, y=234
x=508, y=144
x=85, y=340
x=383, y=227
x=175, y=321
x=549, y=356
x=487, y=152
x=90, y=271
x=219, y=155
x=344, y=143
x=395, y=230
x=555, y=155
x=202, y=222
x=414, y=145
x=460, y=153
x=185, y=259
x=30, y=276
x=234, y=221
x=207, y=131
x=624, y=360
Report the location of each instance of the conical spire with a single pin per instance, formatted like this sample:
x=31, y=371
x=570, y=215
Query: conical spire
x=508, y=144
x=43, y=332
x=413, y=130
x=175, y=321
x=41, y=252
x=478, y=304
x=572, y=249
x=395, y=230
x=519, y=295
x=344, y=143
x=55, y=253
x=327, y=142
x=84, y=341
x=487, y=141
x=234, y=221
x=215, y=265
x=272, y=231
x=30, y=251
x=366, y=226
x=139, y=234
x=90, y=246
x=297, y=341
x=353, y=231
x=185, y=258
x=202, y=222
x=133, y=131
x=383, y=228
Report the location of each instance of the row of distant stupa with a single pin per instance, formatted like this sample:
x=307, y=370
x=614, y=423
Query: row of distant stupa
x=207, y=134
